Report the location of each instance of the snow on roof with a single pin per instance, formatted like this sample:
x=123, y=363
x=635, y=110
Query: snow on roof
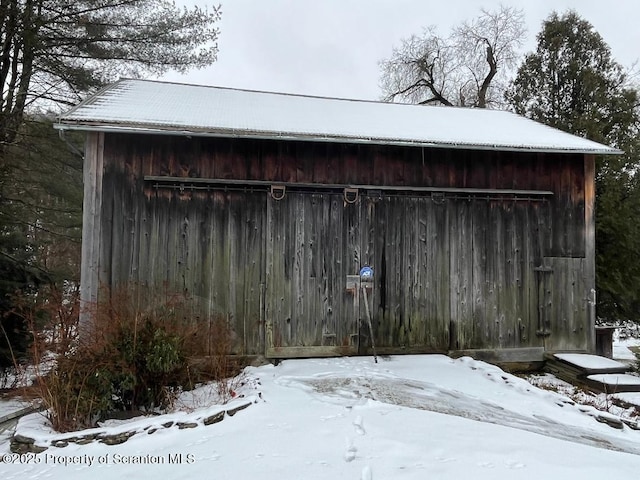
x=172, y=108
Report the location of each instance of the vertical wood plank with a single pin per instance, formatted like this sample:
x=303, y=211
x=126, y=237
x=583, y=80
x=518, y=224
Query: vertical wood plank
x=465, y=267
x=479, y=271
x=397, y=215
x=90, y=272
x=109, y=228
x=302, y=324
x=413, y=291
x=335, y=271
x=352, y=261
x=325, y=266
x=270, y=290
x=495, y=255
x=589, y=249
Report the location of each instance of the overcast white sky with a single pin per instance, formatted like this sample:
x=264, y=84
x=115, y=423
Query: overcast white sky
x=332, y=47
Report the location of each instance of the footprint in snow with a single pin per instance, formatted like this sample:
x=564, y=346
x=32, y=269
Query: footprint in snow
x=446, y=459
x=350, y=453
x=366, y=473
x=513, y=464
x=213, y=457
x=357, y=425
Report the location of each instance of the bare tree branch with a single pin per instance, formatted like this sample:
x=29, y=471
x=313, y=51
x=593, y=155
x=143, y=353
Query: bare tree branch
x=462, y=69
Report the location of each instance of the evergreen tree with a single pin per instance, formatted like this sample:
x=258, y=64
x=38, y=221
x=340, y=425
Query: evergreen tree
x=572, y=82
x=52, y=53
x=40, y=226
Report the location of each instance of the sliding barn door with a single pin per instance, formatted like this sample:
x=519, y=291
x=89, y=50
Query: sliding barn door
x=454, y=273
x=313, y=244
x=449, y=274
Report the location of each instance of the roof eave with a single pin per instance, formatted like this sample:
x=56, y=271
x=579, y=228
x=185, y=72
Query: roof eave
x=63, y=124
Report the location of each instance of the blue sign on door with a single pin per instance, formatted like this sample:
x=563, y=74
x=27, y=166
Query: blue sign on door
x=366, y=272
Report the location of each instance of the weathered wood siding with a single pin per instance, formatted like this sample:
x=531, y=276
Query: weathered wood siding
x=93, y=169
x=451, y=272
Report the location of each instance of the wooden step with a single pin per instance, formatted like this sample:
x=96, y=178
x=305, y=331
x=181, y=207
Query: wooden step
x=613, y=382
x=587, y=363
x=593, y=372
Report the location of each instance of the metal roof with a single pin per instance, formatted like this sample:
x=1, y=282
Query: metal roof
x=144, y=106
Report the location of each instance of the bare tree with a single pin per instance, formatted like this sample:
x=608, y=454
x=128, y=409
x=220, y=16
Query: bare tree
x=467, y=68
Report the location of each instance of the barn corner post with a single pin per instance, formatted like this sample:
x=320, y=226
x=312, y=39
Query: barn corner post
x=590, y=250
x=91, y=218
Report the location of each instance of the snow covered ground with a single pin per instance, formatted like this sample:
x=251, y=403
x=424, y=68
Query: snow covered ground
x=622, y=349
x=406, y=417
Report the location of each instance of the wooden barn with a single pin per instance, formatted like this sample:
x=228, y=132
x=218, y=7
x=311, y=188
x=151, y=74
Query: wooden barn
x=319, y=226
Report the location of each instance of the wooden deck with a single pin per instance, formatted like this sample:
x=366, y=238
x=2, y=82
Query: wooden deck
x=593, y=372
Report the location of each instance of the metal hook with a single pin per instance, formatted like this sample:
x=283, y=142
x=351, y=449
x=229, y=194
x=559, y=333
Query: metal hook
x=278, y=192
x=350, y=195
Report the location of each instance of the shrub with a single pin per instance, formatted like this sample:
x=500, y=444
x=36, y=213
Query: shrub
x=138, y=359
x=143, y=351
x=133, y=367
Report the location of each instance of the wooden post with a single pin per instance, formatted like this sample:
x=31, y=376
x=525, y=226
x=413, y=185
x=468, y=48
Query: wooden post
x=91, y=209
x=590, y=249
